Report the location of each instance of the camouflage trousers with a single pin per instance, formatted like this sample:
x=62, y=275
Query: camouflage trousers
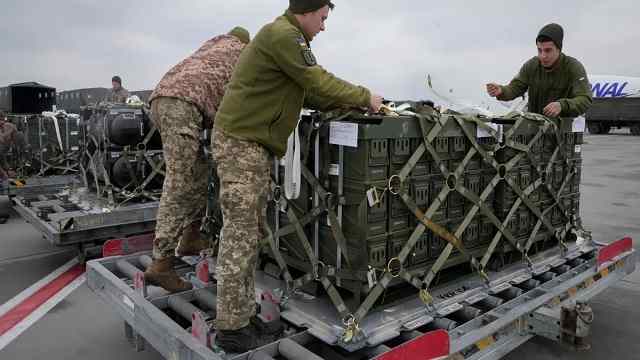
x=184, y=193
x=243, y=169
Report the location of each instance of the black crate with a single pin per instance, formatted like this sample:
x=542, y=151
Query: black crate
x=397, y=207
x=420, y=253
x=399, y=223
x=397, y=240
x=436, y=245
x=458, y=147
x=363, y=252
x=487, y=230
x=400, y=150
x=422, y=168
x=367, y=163
x=358, y=218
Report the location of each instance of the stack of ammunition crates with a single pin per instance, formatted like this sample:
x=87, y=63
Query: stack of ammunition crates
x=377, y=224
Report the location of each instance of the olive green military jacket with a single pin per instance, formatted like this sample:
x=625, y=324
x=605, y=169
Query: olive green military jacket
x=275, y=77
x=566, y=83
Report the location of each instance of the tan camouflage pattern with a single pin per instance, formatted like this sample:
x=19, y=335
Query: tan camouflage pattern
x=119, y=96
x=201, y=79
x=184, y=193
x=244, y=171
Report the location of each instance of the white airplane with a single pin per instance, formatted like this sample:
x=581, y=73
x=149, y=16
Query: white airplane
x=614, y=86
x=602, y=86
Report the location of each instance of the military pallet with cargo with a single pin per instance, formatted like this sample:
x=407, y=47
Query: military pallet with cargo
x=425, y=196
x=48, y=144
x=122, y=158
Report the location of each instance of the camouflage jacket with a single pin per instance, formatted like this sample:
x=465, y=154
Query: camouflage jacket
x=118, y=96
x=201, y=79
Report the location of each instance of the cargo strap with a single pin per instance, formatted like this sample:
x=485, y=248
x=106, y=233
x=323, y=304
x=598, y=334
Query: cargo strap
x=454, y=185
x=292, y=159
x=141, y=156
x=320, y=271
x=431, y=126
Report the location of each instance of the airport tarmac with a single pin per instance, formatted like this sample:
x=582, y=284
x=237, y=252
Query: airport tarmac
x=81, y=326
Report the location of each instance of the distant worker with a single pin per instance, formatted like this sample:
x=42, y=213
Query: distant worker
x=558, y=85
x=8, y=136
x=275, y=77
x=117, y=94
x=183, y=104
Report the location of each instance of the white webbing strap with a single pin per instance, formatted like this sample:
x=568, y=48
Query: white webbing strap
x=292, y=173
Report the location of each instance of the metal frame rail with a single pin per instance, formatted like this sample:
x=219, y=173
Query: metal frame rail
x=484, y=321
x=41, y=185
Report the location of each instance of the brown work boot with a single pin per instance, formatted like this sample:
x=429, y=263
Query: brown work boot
x=161, y=273
x=191, y=243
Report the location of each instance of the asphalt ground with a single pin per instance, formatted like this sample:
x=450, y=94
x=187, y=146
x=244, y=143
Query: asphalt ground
x=83, y=327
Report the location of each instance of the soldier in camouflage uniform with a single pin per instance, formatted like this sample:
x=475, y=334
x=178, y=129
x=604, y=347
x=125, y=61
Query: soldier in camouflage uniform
x=117, y=94
x=9, y=136
x=276, y=75
x=557, y=84
x=184, y=104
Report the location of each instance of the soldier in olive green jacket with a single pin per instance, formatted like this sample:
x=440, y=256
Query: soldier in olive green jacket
x=274, y=78
x=557, y=83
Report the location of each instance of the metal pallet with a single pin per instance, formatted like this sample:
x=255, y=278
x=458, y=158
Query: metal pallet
x=65, y=218
x=484, y=321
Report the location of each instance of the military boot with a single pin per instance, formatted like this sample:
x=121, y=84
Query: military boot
x=242, y=340
x=273, y=328
x=191, y=243
x=161, y=273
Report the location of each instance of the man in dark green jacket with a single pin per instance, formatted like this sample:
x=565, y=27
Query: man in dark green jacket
x=274, y=78
x=557, y=83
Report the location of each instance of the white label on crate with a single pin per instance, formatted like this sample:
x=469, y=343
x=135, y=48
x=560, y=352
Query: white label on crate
x=128, y=302
x=343, y=133
x=578, y=124
x=484, y=133
x=115, y=154
x=372, y=278
x=373, y=197
x=578, y=149
x=334, y=169
x=74, y=133
x=75, y=148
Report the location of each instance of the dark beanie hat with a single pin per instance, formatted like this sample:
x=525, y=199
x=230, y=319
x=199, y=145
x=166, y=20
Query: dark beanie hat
x=553, y=32
x=307, y=6
x=241, y=33
x=117, y=79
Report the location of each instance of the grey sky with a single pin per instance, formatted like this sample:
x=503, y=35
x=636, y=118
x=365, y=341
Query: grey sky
x=388, y=46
